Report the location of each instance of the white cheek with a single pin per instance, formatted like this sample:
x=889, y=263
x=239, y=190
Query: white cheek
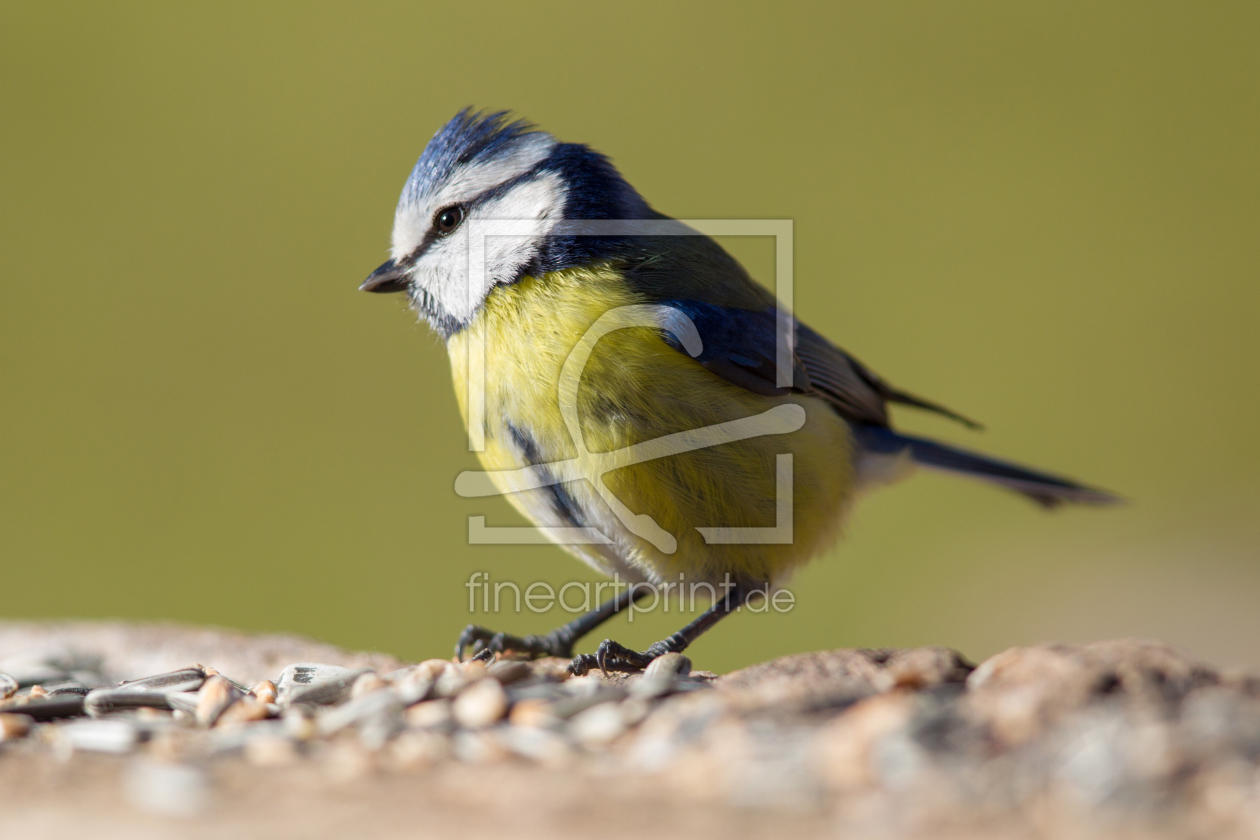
x=530, y=210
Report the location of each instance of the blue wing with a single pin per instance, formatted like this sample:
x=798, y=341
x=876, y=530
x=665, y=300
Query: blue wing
x=740, y=345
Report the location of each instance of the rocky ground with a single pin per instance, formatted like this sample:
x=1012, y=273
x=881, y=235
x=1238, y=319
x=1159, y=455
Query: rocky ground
x=278, y=735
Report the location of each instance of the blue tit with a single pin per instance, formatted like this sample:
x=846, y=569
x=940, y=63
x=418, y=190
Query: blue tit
x=698, y=349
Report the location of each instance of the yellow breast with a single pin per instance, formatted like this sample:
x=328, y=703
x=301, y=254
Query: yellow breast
x=663, y=494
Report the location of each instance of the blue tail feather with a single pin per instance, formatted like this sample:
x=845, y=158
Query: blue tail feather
x=1043, y=488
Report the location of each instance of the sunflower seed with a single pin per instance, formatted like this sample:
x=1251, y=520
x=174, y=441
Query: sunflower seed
x=51, y=708
x=321, y=685
x=185, y=679
x=480, y=704
x=105, y=700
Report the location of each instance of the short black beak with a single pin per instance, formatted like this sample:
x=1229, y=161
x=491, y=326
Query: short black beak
x=388, y=278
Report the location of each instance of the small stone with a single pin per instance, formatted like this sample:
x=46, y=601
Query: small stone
x=37, y=692
x=8, y=686
x=264, y=692
x=271, y=751
x=429, y=714
x=481, y=704
x=14, y=726
x=321, y=685
x=109, y=736
x=366, y=683
x=216, y=695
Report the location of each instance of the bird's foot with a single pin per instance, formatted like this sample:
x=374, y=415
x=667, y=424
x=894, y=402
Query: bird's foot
x=611, y=656
x=485, y=644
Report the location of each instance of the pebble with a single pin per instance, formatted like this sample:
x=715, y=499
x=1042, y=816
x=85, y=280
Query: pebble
x=8, y=686
x=481, y=704
x=320, y=685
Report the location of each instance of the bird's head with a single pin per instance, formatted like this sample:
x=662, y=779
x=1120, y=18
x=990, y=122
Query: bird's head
x=484, y=167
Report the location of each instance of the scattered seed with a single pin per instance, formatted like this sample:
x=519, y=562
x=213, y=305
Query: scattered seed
x=102, y=701
x=216, y=695
x=14, y=726
x=265, y=692
x=481, y=704
x=184, y=679
x=321, y=685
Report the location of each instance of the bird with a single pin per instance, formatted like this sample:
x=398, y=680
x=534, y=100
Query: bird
x=695, y=404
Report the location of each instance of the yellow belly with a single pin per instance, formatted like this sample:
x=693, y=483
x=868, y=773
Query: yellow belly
x=635, y=388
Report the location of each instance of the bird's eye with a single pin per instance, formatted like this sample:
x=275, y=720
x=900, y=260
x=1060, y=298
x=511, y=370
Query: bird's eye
x=448, y=218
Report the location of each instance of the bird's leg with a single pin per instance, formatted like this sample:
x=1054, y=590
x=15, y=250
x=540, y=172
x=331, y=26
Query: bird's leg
x=558, y=642
x=614, y=657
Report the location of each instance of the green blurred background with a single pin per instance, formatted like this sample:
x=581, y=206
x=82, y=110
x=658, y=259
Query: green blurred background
x=1046, y=216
